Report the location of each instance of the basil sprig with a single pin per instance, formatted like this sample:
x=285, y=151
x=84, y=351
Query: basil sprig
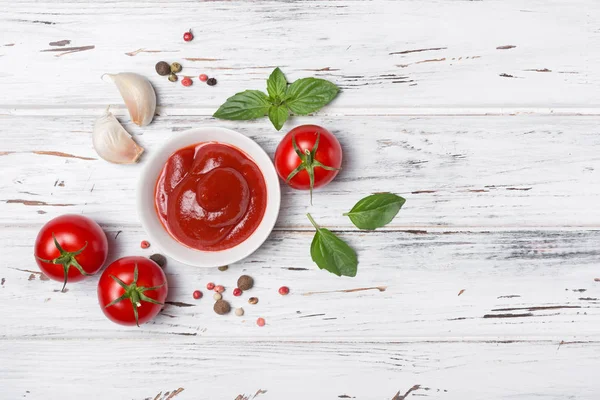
x=331, y=253
x=376, y=210
x=302, y=97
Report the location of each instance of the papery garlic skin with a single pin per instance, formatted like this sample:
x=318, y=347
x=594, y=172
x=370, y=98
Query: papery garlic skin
x=138, y=94
x=113, y=143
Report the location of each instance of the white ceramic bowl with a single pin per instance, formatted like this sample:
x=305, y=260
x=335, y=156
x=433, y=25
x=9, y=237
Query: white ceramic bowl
x=159, y=236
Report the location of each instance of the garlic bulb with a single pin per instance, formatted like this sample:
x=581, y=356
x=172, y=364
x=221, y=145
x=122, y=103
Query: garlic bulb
x=113, y=143
x=138, y=94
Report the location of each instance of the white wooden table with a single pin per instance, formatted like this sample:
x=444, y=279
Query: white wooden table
x=483, y=114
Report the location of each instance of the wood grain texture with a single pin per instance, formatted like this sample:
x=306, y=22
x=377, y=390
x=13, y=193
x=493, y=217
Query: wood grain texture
x=483, y=114
x=518, y=172
x=299, y=370
x=384, y=54
x=517, y=285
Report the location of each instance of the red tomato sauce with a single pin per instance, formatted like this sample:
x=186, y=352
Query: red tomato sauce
x=210, y=196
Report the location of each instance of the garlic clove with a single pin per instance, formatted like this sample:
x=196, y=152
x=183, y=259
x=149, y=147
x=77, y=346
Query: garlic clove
x=113, y=143
x=138, y=94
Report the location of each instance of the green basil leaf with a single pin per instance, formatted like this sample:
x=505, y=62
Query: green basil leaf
x=277, y=85
x=308, y=95
x=331, y=253
x=278, y=115
x=249, y=104
x=376, y=210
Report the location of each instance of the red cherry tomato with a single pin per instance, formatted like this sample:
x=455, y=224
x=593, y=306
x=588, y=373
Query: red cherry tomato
x=313, y=162
x=132, y=290
x=70, y=247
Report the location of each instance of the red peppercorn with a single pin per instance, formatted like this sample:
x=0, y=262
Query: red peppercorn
x=284, y=290
x=145, y=244
x=203, y=77
x=219, y=289
x=237, y=291
x=197, y=294
x=188, y=36
x=210, y=286
x=260, y=322
x=187, y=81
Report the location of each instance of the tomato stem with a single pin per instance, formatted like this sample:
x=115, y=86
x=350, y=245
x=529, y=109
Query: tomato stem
x=308, y=162
x=67, y=259
x=135, y=294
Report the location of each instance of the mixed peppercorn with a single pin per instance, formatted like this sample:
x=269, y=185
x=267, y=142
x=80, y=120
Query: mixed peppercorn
x=163, y=68
x=222, y=307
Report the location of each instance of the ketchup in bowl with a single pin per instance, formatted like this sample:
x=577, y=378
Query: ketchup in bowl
x=210, y=196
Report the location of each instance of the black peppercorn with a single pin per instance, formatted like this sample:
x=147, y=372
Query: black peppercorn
x=211, y=82
x=163, y=68
x=159, y=259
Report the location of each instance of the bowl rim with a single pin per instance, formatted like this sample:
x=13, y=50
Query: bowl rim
x=156, y=232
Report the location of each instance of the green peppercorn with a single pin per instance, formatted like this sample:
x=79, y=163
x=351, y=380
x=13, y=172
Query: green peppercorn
x=173, y=78
x=224, y=268
x=163, y=68
x=211, y=82
x=176, y=67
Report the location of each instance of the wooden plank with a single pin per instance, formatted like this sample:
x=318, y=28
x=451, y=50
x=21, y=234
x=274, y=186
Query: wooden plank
x=127, y=369
x=484, y=287
x=384, y=55
x=508, y=172
x=495, y=285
